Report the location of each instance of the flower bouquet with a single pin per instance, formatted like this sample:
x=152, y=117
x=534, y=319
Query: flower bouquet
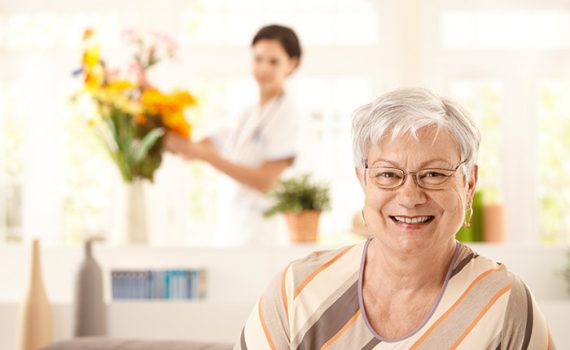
x=132, y=115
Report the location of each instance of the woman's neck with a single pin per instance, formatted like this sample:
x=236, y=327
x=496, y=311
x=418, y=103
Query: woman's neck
x=265, y=95
x=394, y=272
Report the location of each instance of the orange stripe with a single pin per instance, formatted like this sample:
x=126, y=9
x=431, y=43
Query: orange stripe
x=454, y=306
x=547, y=338
x=284, y=291
x=341, y=331
x=264, y=326
x=481, y=314
x=317, y=271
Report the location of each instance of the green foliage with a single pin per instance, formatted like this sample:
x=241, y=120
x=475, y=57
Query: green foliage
x=298, y=194
x=135, y=150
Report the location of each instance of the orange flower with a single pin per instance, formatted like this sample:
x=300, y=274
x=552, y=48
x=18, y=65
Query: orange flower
x=88, y=33
x=184, y=98
x=140, y=118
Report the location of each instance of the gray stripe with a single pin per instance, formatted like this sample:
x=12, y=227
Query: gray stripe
x=242, y=340
x=326, y=302
x=332, y=320
x=371, y=344
x=529, y=315
x=463, y=263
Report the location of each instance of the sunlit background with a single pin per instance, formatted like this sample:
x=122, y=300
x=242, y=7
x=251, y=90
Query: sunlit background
x=507, y=61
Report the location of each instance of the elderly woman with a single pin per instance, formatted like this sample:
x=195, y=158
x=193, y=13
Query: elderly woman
x=411, y=286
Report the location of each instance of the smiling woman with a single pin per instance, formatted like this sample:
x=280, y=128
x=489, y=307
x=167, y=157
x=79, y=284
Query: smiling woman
x=412, y=285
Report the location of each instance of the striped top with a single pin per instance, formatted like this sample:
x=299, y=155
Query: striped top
x=316, y=303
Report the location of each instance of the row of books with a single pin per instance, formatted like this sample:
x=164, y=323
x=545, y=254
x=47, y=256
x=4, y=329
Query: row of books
x=159, y=284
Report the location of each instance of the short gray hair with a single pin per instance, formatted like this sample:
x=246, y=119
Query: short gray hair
x=408, y=110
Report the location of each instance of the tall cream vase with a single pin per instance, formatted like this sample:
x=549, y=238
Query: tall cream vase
x=137, y=224
x=36, y=325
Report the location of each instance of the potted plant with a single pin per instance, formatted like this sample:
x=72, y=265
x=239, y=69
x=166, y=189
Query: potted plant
x=301, y=201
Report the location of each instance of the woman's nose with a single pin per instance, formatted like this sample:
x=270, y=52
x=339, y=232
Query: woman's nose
x=410, y=194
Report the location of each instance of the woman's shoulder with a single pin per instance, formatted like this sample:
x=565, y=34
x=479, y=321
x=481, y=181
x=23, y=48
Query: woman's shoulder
x=346, y=259
x=472, y=267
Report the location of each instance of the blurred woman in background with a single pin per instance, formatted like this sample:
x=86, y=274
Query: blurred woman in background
x=258, y=148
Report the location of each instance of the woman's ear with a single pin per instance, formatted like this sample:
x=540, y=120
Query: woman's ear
x=293, y=64
x=472, y=182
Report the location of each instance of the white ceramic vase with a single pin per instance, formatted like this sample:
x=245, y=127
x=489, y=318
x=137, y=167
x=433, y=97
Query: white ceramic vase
x=136, y=222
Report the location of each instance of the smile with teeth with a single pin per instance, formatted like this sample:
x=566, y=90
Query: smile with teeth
x=412, y=220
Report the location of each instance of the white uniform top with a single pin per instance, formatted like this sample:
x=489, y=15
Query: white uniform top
x=261, y=134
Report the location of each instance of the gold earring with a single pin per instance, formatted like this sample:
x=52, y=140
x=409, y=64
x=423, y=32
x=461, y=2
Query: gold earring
x=363, y=219
x=467, y=222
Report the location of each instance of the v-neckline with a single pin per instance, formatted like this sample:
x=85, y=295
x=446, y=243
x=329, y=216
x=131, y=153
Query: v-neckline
x=428, y=316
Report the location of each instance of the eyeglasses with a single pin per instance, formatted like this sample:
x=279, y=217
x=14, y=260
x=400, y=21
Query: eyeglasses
x=392, y=178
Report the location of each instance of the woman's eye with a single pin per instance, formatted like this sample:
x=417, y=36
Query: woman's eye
x=433, y=174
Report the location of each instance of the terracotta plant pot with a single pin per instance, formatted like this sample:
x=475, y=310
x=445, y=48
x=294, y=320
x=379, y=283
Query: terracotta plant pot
x=494, y=223
x=303, y=226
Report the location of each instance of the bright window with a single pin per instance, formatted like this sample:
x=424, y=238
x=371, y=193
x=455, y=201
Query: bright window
x=554, y=160
x=484, y=99
x=514, y=29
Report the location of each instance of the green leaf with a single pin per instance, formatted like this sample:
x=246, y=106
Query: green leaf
x=146, y=143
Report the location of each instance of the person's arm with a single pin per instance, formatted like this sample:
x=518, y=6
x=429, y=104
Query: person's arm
x=261, y=178
x=268, y=324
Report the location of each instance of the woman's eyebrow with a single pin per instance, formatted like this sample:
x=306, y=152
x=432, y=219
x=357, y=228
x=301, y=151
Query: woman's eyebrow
x=396, y=165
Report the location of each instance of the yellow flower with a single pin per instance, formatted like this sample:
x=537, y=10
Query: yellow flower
x=94, y=77
x=152, y=100
x=90, y=57
x=121, y=85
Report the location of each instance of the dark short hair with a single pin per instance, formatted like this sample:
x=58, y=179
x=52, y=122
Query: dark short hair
x=286, y=37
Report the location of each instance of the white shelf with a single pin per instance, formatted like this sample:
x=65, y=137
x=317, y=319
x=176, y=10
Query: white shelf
x=173, y=320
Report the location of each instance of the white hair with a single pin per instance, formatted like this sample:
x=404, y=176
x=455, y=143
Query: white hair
x=406, y=111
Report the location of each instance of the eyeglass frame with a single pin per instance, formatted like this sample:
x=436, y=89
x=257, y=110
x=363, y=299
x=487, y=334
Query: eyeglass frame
x=414, y=176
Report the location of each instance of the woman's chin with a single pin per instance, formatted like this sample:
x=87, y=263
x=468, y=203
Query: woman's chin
x=407, y=243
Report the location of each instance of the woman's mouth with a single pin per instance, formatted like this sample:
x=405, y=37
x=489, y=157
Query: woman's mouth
x=412, y=220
